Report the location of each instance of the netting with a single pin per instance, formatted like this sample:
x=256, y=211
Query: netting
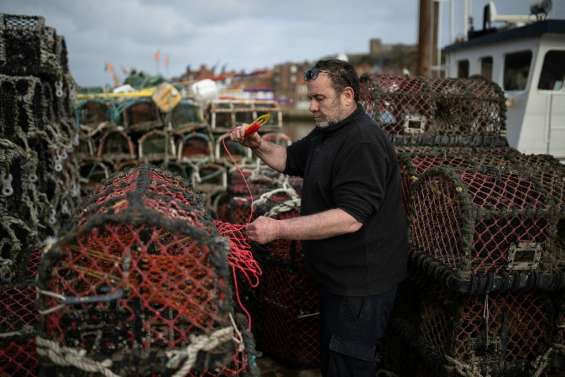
x=17, y=330
x=430, y=107
x=478, y=221
x=497, y=334
x=156, y=145
x=142, y=285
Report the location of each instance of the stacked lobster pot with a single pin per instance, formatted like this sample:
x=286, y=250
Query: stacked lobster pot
x=141, y=286
x=39, y=186
x=120, y=133
x=285, y=305
x=486, y=256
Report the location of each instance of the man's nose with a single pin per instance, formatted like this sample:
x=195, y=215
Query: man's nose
x=313, y=105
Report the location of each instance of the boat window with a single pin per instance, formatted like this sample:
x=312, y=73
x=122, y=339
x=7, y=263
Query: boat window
x=486, y=67
x=516, y=70
x=553, y=71
x=463, y=69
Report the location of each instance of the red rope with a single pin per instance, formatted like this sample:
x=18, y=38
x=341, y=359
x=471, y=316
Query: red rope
x=240, y=258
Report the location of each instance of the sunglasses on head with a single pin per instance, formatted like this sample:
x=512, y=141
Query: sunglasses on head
x=313, y=73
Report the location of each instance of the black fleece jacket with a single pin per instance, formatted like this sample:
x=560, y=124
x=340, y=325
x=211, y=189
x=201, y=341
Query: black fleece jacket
x=351, y=165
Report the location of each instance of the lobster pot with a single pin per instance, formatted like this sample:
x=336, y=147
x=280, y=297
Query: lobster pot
x=468, y=106
x=259, y=178
x=497, y=334
x=91, y=113
x=116, y=145
x=400, y=105
x=186, y=116
x=156, y=145
x=195, y=146
x=420, y=106
x=231, y=152
x=141, y=114
x=286, y=312
x=142, y=285
x=478, y=222
x=28, y=47
x=286, y=307
x=18, y=322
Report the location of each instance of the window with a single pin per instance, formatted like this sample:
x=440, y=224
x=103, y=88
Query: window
x=486, y=67
x=463, y=69
x=553, y=71
x=516, y=70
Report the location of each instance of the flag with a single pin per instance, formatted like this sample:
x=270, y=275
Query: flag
x=157, y=56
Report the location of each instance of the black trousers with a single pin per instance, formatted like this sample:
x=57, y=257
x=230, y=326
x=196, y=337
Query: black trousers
x=351, y=330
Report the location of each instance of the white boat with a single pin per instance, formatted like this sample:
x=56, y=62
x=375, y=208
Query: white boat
x=528, y=62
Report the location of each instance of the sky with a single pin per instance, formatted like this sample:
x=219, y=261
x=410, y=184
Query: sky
x=237, y=34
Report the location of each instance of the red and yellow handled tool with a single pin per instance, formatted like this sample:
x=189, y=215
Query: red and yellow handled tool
x=254, y=126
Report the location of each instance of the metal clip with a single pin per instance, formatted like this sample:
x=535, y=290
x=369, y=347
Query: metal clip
x=65, y=208
x=58, y=162
x=33, y=178
x=6, y=272
x=7, y=189
x=75, y=190
x=52, y=217
x=59, y=89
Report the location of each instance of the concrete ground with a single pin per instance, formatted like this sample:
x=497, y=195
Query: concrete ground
x=271, y=368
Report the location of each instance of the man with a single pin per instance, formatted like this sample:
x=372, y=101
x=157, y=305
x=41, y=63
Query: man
x=352, y=221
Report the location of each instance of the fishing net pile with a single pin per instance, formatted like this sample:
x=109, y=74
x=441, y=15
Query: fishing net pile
x=486, y=232
x=39, y=185
x=141, y=286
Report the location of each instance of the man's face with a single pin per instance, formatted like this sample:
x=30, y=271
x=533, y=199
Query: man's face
x=325, y=104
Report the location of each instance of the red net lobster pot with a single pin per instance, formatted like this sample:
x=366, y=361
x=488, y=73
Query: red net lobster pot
x=286, y=309
x=141, y=286
x=18, y=322
x=18, y=356
x=483, y=221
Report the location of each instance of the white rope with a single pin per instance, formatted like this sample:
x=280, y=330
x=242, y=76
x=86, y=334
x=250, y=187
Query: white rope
x=283, y=207
x=197, y=343
x=462, y=368
x=66, y=356
x=542, y=362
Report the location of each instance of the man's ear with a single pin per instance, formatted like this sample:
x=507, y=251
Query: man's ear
x=348, y=95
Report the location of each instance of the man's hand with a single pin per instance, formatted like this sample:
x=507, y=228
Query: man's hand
x=263, y=230
x=252, y=141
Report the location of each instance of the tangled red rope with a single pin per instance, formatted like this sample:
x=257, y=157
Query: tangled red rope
x=240, y=258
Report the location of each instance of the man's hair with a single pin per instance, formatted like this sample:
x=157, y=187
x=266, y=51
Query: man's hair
x=342, y=75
